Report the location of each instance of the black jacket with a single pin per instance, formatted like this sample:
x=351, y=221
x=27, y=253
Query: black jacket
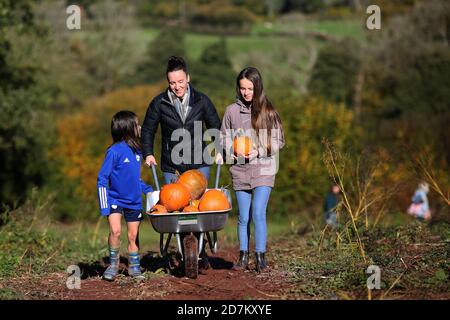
x=161, y=111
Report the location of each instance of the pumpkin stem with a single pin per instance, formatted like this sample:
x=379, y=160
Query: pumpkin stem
x=239, y=132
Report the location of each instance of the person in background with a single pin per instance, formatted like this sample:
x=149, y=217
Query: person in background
x=419, y=207
x=330, y=204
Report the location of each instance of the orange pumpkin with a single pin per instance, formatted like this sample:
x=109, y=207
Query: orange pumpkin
x=214, y=200
x=242, y=146
x=174, y=196
x=195, y=181
x=190, y=208
x=158, y=208
x=195, y=203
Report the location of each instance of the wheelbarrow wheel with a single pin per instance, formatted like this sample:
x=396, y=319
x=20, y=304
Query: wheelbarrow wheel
x=190, y=244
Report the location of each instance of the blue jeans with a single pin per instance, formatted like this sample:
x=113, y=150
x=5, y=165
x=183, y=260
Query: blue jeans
x=331, y=219
x=253, y=210
x=169, y=177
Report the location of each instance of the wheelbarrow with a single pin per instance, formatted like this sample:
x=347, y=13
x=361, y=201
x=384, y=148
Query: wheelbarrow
x=184, y=225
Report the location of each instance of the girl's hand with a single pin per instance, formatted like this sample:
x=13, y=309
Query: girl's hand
x=252, y=154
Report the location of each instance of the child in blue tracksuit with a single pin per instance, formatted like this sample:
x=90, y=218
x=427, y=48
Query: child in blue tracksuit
x=120, y=190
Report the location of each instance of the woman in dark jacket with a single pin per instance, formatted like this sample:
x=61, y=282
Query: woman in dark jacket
x=179, y=110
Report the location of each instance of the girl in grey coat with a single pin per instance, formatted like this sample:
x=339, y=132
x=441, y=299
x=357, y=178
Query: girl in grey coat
x=253, y=174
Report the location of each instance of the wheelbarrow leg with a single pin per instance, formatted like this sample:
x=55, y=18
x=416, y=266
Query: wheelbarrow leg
x=180, y=247
x=163, y=248
x=166, y=247
x=208, y=237
x=214, y=242
x=161, y=245
x=200, y=243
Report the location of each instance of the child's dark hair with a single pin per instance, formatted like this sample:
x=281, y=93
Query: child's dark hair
x=176, y=63
x=124, y=127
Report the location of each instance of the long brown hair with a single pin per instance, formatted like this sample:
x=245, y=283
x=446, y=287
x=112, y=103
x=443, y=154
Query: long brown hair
x=263, y=113
x=124, y=127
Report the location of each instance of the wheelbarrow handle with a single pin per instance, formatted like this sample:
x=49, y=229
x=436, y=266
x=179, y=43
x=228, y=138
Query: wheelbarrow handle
x=216, y=184
x=155, y=177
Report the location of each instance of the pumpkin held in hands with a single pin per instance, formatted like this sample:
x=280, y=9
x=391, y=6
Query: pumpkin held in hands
x=214, y=200
x=174, y=196
x=242, y=146
x=195, y=182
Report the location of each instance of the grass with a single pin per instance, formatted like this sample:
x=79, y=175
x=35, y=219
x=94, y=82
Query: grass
x=285, y=60
x=413, y=257
x=413, y=260
x=196, y=42
x=31, y=243
x=351, y=28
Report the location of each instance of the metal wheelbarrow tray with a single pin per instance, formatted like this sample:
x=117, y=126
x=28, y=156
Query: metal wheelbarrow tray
x=187, y=221
x=186, y=224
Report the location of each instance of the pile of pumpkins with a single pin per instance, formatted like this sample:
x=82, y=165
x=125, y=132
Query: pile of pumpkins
x=188, y=195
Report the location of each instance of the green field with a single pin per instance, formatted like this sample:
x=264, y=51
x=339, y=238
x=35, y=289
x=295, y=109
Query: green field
x=352, y=28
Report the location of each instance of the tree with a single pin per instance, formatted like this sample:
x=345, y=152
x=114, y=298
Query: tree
x=25, y=126
x=169, y=42
x=213, y=72
x=305, y=6
x=334, y=74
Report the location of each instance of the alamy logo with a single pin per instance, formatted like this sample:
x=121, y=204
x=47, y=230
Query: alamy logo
x=374, y=281
x=374, y=20
x=74, y=279
x=73, y=21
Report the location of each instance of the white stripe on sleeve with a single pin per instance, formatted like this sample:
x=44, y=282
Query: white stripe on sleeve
x=106, y=198
x=100, y=196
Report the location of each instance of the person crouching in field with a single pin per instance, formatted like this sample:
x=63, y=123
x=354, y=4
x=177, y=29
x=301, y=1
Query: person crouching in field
x=120, y=191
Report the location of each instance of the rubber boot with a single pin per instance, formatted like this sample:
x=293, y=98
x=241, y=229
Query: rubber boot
x=261, y=263
x=242, y=263
x=134, y=265
x=113, y=268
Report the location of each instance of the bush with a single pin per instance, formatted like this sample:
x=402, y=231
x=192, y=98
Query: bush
x=221, y=17
x=169, y=42
x=213, y=72
x=83, y=138
x=334, y=74
x=302, y=179
x=25, y=123
x=422, y=88
x=305, y=6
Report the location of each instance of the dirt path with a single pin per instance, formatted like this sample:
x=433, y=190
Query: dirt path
x=217, y=282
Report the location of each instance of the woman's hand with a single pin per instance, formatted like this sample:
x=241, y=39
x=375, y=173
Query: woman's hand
x=149, y=160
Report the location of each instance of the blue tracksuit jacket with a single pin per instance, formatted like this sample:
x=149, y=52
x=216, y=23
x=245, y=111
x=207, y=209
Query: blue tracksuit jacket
x=119, y=180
